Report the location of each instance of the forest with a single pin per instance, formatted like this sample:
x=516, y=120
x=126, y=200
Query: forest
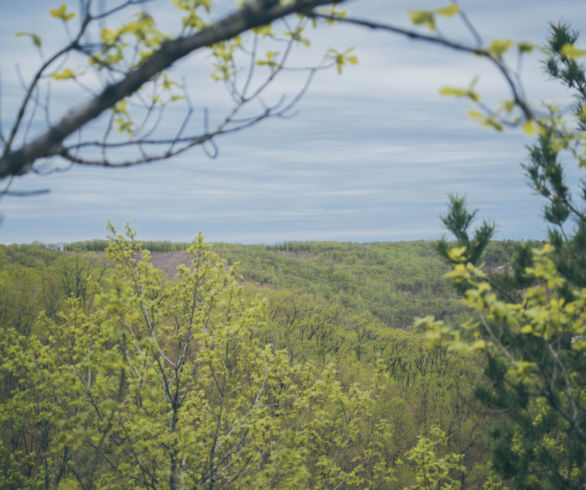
x=298, y=365
x=301, y=363
x=449, y=364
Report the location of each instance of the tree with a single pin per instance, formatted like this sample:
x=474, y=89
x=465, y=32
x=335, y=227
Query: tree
x=431, y=469
x=457, y=222
x=126, y=75
x=167, y=384
x=534, y=345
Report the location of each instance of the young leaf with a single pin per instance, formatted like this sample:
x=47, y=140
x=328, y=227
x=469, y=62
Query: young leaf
x=529, y=128
x=423, y=17
x=499, y=47
x=458, y=92
x=61, y=13
x=448, y=11
x=525, y=47
x=35, y=38
x=66, y=74
x=570, y=51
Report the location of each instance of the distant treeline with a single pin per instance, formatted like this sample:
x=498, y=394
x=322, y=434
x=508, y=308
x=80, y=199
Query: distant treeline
x=101, y=245
x=497, y=253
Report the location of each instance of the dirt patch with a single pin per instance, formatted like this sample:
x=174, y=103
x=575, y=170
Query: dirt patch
x=168, y=261
x=297, y=255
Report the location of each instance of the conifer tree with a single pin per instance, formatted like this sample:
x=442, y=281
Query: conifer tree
x=534, y=347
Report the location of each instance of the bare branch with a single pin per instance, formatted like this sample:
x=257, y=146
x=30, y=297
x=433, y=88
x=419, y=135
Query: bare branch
x=515, y=88
x=48, y=144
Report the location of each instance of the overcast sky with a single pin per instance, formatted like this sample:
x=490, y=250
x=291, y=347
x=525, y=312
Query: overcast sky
x=370, y=155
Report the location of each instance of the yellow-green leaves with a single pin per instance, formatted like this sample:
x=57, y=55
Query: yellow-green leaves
x=223, y=52
x=499, y=47
x=469, y=92
x=460, y=92
x=427, y=17
x=270, y=60
x=123, y=121
x=61, y=13
x=570, y=51
x=448, y=11
x=342, y=58
x=433, y=468
x=423, y=17
x=525, y=47
x=65, y=74
x=457, y=254
x=108, y=36
x=486, y=121
x=530, y=128
x=525, y=372
x=34, y=37
x=141, y=32
x=193, y=20
x=333, y=11
x=296, y=35
x=479, y=345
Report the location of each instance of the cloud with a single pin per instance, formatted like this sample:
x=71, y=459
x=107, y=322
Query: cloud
x=370, y=155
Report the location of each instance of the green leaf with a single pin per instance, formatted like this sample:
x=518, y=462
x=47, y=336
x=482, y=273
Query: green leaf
x=458, y=92
x=61, y=13
x=499, y=47
x=457, y=254
x=120, y=107
x=66, y=74
x=423, y=17
x=525, y=47
x=449, y=11
x=509, y=105
x=530, y=128
x=35, y=38
x=479, y=345
x=490, y=122
x=570, y=51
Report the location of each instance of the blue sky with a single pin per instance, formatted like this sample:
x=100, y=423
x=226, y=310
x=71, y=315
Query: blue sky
x=370, y=155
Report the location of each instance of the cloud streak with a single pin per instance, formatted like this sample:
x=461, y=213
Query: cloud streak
x=369, y=156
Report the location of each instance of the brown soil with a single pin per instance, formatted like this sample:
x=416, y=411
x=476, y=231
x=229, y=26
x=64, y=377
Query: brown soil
x=168, y=261
x=297, y=255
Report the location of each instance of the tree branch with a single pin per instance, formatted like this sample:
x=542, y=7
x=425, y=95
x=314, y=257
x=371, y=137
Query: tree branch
x=48, y=144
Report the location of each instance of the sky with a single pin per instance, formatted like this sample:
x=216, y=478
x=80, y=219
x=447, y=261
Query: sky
x=370, y=155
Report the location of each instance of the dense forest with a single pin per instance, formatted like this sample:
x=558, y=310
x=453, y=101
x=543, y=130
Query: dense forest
x=294, y=365
x=445, y=365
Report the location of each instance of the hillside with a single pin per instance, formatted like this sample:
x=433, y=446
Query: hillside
x=344, y=308
x=394, y=281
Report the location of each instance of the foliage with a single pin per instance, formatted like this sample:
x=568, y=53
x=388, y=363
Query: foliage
x=555, y=143
x=457, y=222
x=168, y=383
x=531, y=332
x=102, y=245
x=410, y=387
x=432, y=470
x=535, y=356
x=393, y=281
x=125, y=378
